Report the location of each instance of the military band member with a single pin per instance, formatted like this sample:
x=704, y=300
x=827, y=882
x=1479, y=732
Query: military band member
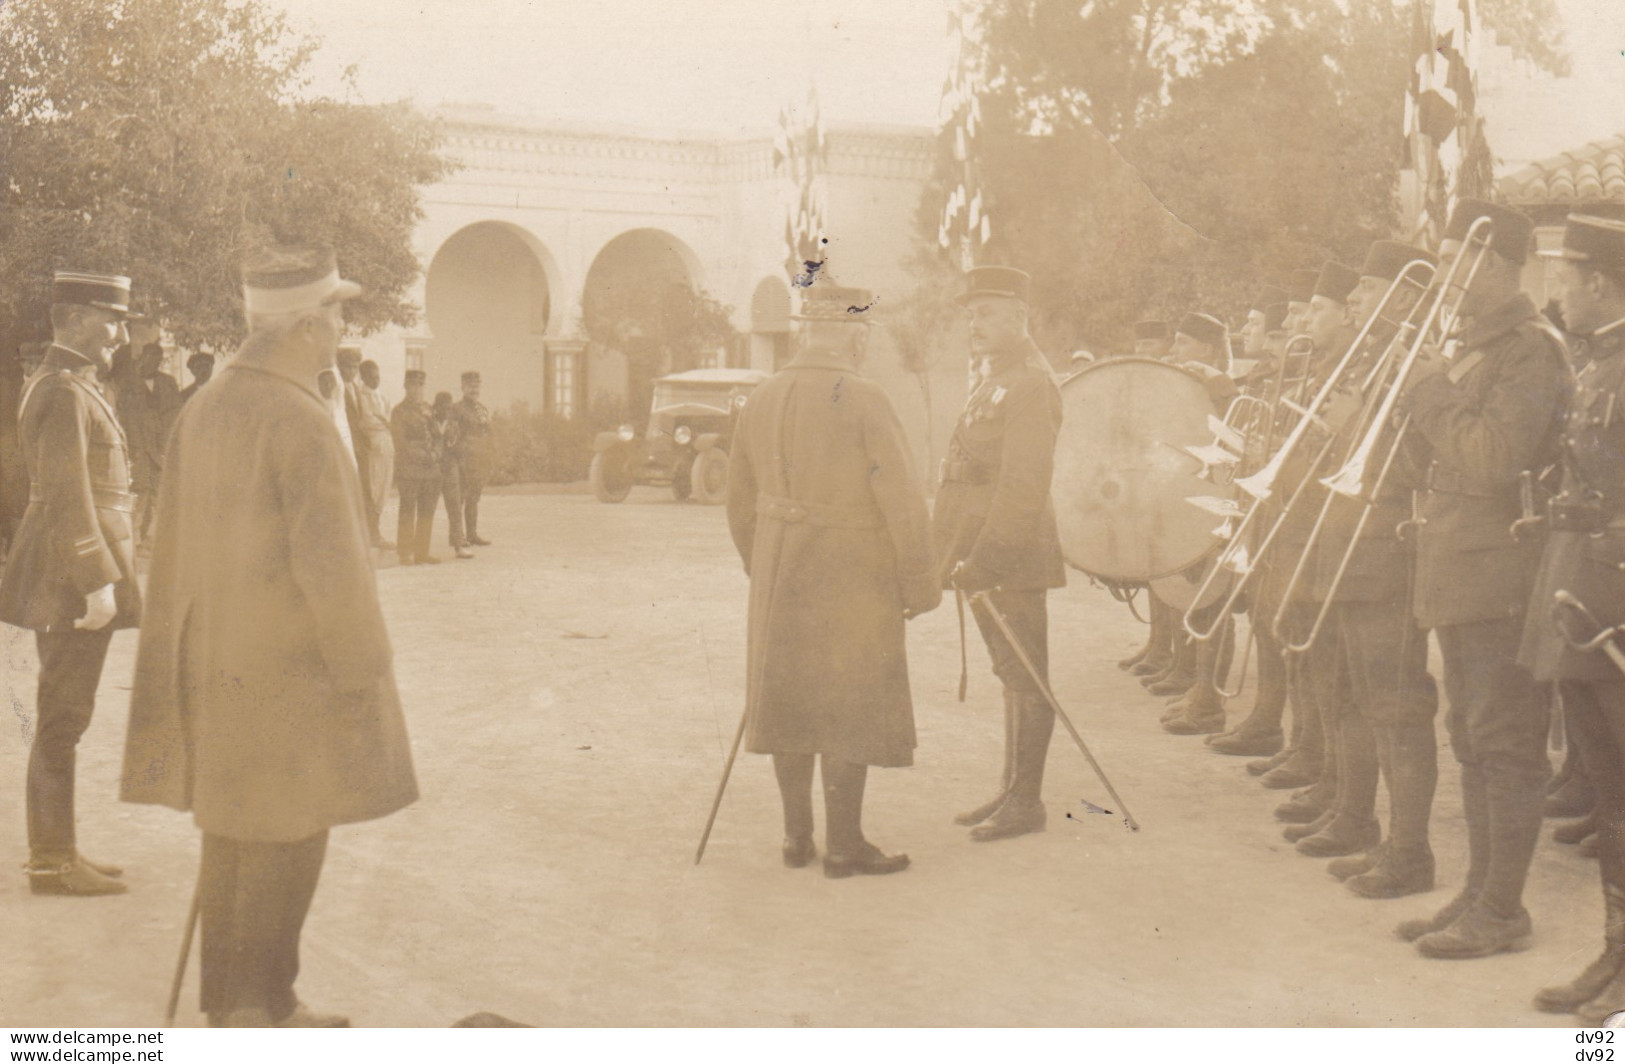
x=995, y=531
x=1584, y=557
x=474, y=459
x=1152, y=339
x=1299, y=295
x=264, y=700
x=1486, y=416
x=70, y=575
x=417, y=473
x=832, y=526
x=1381, y=649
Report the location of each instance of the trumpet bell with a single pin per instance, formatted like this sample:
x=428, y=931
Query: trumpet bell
x=1260, y=484
x=1347, y=481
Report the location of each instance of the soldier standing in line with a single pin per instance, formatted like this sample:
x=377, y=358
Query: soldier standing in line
x=1487, y=416
x=264, y=700
x=380, y=449
x=474, y=463
x=995, y=529
x=448, y=448
x=1585, y=556
x=1152, y=339
x=417, y=473
x=831, y=523
x=70, y=575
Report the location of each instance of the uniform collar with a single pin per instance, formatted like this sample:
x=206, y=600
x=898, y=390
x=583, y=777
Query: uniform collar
x=64, y=357
x=1484, y=328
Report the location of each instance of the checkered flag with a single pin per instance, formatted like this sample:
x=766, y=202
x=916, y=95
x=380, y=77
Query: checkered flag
x=965, y=225
x=1447, y=155
x=801, y=154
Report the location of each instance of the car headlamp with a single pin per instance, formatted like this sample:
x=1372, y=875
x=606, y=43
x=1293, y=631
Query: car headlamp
x=683, y=435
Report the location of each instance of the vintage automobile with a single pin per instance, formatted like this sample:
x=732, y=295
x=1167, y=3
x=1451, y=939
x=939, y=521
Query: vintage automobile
x=691, y=421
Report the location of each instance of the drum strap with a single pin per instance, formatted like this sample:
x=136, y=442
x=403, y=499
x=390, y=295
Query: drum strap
x=964, y=659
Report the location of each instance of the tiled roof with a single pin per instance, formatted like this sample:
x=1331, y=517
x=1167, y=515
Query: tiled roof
x=1592, y=174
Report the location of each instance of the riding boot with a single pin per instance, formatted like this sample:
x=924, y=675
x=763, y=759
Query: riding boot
x=1497, y=922
x=1410, y=754
x=1012, y=710
x=1024, y=812
x=1475, y=810
x=795, y=775
x=1602, y=977
x=850, y=854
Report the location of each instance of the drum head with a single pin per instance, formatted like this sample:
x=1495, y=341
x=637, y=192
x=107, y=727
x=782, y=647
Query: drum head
x=1122, y=475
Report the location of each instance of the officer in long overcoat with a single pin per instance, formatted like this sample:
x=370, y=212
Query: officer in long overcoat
x=70, y=575
x=831, y=523
x=1487, y=416
x=994, y=529
x=264, y=699
x=1585, y=557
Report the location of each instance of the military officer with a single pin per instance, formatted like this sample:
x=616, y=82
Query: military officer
x=832, y=526
x=1585, y=556
x=264, y=700
x=417, y=472
x=70, y=575
x=1486, y=416
x=994, y=529
x=474, y=460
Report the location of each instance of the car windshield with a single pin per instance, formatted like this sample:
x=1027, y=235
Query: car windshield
x=678, y=397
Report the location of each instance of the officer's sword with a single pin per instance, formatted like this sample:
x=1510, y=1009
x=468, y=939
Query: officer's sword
x=1566, y=609
x=1049, y=696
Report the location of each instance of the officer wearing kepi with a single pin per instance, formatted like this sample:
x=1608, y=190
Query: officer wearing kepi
x=1585, y=557
x=71, y=573
x=994, y=529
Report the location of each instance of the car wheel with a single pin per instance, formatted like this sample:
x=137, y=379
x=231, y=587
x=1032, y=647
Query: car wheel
x=709, y=477
x=609, y=477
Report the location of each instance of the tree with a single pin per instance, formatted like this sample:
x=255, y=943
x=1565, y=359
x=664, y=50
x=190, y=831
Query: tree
x=670, y=333
x=165, y=138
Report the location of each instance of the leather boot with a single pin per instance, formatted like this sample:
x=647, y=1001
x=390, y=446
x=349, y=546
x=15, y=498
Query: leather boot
x=1513, y=800
x=1262, y=727
x=70, y=876
x=1265, y=765
x=1354, y=826
x=1307, y=806
x=1411, y=930
x=1409, y=755
x=1576, y=831
x=1574, y=798
x=1357, y=864
x=1295, y=833
x=1200, y=712
x=975, y=816
x=795, y=775
x=1310, y=762
x=1478, y=932
x=1135, y=658
x=1023, y=812
x=1157, y=663
x=1176, y=683
x=1601, y=973
x=850, y=854
x=1341, y=837
x=1475, y=809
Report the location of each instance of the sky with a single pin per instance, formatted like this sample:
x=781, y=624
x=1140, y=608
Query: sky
x=727, y=66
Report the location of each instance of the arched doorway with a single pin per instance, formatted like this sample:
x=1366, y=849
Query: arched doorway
x=488, y=302
x=646, y=314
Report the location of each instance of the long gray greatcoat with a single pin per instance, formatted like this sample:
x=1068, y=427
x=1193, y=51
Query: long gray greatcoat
x=832, y=525
x=264, y=697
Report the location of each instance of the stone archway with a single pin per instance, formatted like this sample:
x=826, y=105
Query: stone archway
x=488, y=297
x=639, y=306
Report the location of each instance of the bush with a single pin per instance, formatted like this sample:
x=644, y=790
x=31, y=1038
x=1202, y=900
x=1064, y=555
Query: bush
x=530, y=447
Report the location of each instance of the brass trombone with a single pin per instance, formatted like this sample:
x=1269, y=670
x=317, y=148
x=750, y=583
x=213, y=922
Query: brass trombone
x=1260, y=485
x=1349, y=482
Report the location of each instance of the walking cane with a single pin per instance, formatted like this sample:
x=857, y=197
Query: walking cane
x=722, y=785
x=1049, y=696
x=186, y=951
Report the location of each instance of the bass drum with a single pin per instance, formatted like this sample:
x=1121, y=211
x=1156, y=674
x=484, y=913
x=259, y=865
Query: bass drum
x=1122, y=476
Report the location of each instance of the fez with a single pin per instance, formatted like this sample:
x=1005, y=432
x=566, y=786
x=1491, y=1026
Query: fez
x=1510, y=230
x=1006, y=281
x=1336, y=281
x=106, y=291
x=833, y=302
x=471, y=376
x=1387, y=257
x=1303, y=285
x=1274, y=316
x=416, y=376
x=1203, y=328
x=1151, y=330
x=1598, y=243
x=288, y=278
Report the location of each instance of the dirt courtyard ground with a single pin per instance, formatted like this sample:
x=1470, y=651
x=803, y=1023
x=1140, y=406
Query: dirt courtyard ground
x=571, y=694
